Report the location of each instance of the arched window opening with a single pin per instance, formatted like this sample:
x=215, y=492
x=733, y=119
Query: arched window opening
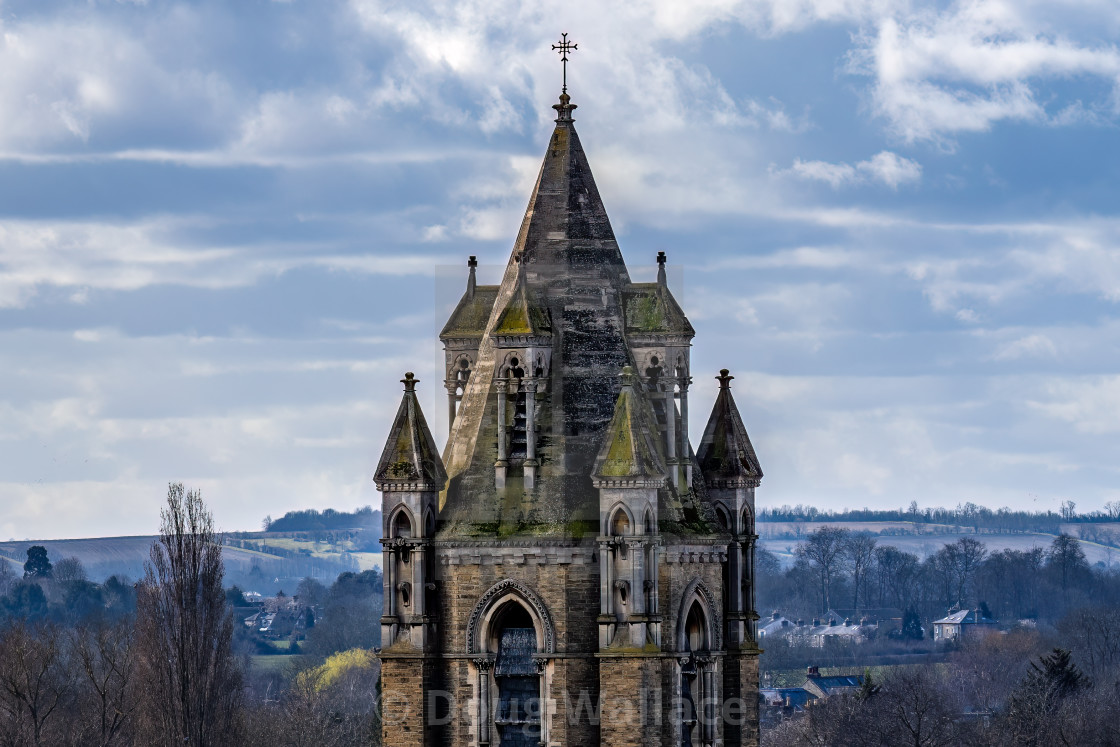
x=724, y=518
x=620, y=524
x=696, y=629
x=402, y=525
x=518, y=716
x=693, y=683
x=651, y=525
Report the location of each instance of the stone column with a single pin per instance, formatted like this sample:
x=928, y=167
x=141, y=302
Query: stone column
x=750, y=580
x=709, y=702
x=637, y=589
x=503, y=456
x=483, y=700
x=606, y=592
x=418, y=579
x=542, y=705
x=735, y=604
x=451, y=385
x=530, y=433
x=685, y=450
x=671, y=433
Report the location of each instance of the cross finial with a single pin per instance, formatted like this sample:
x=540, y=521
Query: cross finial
x=563, y=47
x=724, y=378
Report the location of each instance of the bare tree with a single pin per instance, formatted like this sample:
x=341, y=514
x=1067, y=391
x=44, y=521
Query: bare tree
x=106, y=657
x=823, y=549
x=190, y=679
x=859, y=553
x=69, y=569
x=897, y=573
x=916, y=708
x=34, y=683
x=7, y=576
x=959, y=562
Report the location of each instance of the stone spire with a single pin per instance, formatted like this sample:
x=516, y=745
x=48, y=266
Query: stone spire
x=726, y=456
x=411, y=459
x=559, y=313
x=629, y=456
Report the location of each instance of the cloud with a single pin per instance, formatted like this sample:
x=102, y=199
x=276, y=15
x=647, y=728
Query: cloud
x=885, y=167
x=977, y=63
x=1031, y=346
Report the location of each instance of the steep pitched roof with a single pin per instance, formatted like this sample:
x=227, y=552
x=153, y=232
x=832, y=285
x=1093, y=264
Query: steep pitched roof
x=726, y=456
x=471, y=314
x=652, y=310
x=521, y=317
x=410, y=460
x=629, y=454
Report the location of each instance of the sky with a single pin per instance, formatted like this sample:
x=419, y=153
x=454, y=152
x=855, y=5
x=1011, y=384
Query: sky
x=227, y=229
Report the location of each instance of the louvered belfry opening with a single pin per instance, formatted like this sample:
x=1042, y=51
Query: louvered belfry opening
x=518, y=715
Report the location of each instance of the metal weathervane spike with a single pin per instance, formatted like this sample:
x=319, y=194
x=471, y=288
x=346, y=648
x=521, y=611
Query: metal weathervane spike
x=563, y=47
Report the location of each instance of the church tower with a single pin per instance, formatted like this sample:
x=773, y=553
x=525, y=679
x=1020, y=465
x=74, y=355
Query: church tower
x=569, y=571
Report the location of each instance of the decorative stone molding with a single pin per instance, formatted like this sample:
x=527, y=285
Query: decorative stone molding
x=530, y=597
x=713, y=617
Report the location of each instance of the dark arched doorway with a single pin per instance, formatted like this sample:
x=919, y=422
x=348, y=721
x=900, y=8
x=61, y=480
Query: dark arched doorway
x=518, y=715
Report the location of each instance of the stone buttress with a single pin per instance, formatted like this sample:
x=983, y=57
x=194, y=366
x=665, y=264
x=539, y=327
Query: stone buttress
x=558, y=576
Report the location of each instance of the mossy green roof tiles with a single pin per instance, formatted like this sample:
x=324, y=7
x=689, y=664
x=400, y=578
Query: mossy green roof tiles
x=630, y=451
x=471, y=314
x=522, y=317
x=651, y=309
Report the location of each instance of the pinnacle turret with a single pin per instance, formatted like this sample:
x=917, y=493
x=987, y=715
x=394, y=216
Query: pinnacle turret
x=410, y=460
x=726, y=456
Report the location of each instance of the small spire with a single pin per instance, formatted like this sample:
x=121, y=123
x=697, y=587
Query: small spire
x=661, y=279
x=724, y=378
x=627, y=376
x=472, y=263
x=410, y=381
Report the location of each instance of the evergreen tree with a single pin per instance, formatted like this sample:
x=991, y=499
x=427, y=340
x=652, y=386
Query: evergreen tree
x=37, y=565
x=911, y=625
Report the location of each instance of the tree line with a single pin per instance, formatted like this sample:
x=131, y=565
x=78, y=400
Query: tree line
x=839, y=568
x=979, y=518
x=310, y=520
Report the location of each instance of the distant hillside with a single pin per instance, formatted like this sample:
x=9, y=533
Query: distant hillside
x=311, y=520
x=1098, y=540
x=259, y=561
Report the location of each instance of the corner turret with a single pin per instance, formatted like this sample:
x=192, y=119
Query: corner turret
x=731, y=472
x=410, y=476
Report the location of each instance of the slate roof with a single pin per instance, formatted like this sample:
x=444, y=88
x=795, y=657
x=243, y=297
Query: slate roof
x=471, y=314
x=965, y=617
x=726, y=455
x=798, y=697
x=522, y=316
x=826, y=686
x=651, y=309
x=410, y=460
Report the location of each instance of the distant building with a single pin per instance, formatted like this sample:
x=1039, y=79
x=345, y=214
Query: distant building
x=885, y=619
x=781, y=703
x=777, y=626
x=824, y=686
x=961, y=624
